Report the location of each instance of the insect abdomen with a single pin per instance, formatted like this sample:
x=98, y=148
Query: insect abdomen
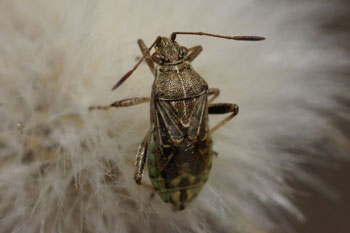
x=180, y=154
x=180, y=190
x=180, y=198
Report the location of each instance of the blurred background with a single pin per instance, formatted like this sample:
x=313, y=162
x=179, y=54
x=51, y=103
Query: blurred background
x=283, y=162
x=326, y=214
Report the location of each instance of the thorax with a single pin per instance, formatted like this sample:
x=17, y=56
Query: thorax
x=177, y=82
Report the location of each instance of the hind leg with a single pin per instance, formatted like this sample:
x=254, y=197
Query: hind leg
x=141, y=160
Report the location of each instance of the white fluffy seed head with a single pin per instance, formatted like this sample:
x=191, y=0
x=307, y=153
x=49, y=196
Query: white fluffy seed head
x=65, y=169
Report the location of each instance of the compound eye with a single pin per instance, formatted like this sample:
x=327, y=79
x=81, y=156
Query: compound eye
x=157, y=58
x=183, y=52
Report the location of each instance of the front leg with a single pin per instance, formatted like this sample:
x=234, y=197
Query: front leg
x=215, y=92
x=193, y=53
x=123, y=103
x=222, y=108
x=148, y=58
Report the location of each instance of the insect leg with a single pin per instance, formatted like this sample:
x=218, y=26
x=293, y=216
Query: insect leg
x=215, y=92
x=148, y=57
x=141, y=160
x=193, y=52
x=123, y=103
x=222, y=108
x=152, y=195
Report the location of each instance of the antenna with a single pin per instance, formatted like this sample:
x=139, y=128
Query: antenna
x=127, y=75
x=248, y=38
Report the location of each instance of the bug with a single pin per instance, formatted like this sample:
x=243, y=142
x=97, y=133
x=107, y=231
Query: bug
x=178, y=145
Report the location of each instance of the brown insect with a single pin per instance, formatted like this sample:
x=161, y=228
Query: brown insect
x=178, y=144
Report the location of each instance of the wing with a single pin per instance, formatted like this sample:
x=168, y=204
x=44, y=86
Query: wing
x=180, y=126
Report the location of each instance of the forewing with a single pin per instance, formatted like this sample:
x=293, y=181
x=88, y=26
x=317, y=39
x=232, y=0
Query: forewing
x=199, y=119
x=179, y=142
x=169, y=123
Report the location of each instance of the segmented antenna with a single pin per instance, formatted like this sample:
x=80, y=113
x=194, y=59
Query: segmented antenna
x=248, y=38
x=173, y=37
x=127, y=75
